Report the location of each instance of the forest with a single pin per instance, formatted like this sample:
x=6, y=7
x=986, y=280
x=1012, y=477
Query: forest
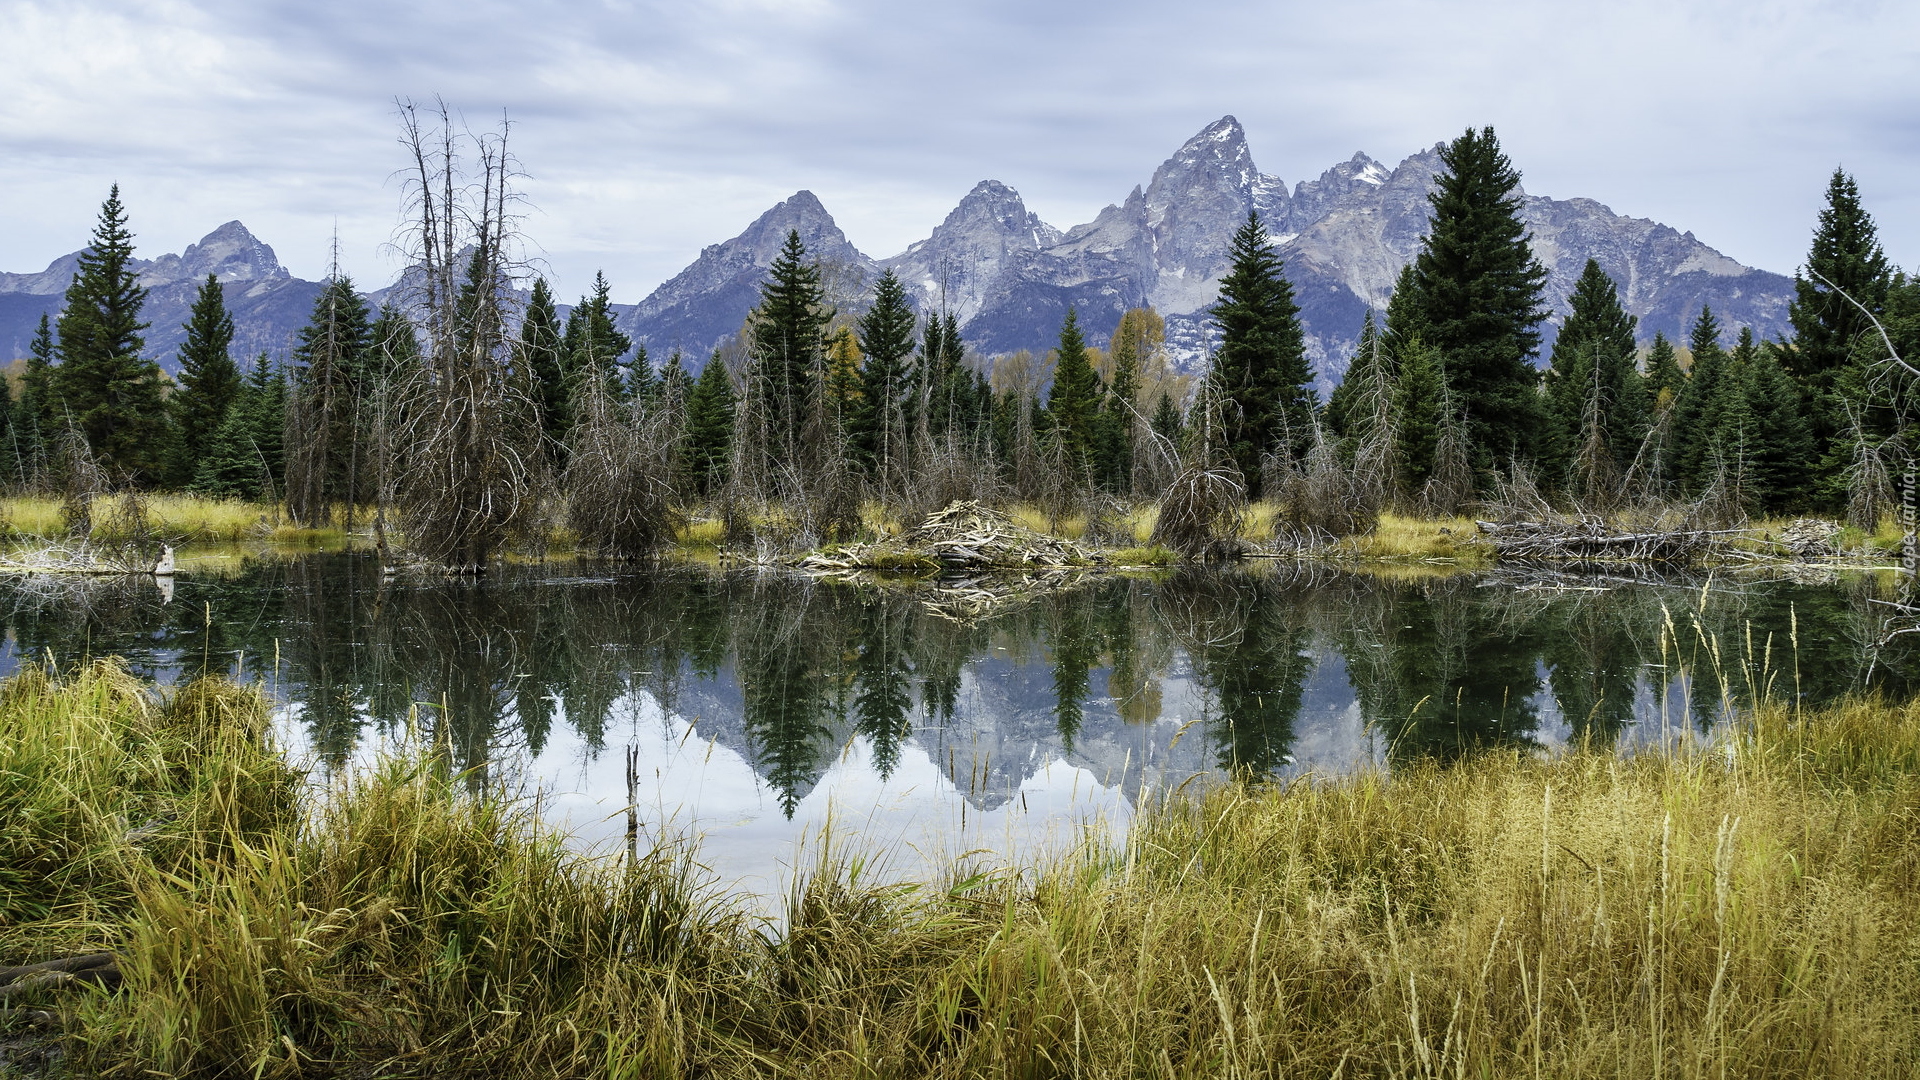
x=467, y=416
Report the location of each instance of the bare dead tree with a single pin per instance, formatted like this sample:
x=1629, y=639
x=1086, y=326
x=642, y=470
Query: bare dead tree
x=618, y=484
x=1450, y=486
x=468, y=473
x=82, y=480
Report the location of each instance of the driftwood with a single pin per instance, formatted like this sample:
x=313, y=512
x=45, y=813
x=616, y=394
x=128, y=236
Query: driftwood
x=1591, y=540
x=94, y=969
x=964, y=536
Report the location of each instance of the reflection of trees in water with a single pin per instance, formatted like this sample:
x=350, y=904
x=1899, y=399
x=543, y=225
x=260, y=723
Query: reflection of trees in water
x=1439, y=670
x=1247, y=635
x=1440, y=666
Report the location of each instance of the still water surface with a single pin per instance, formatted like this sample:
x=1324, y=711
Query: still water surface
x=760, y=709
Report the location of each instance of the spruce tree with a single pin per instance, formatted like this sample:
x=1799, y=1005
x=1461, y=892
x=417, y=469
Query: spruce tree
x=1663, y=378
x=209, y=379
x=1702, y=410
x=789, y=347
x=546, y=366
x=710, y=414
x=1773, y=434
x=1846, y=255
x=1073, y=402
x=1260, y=372
x=592, y=341
x=34, y=423
x=1592, y=371
x=843, y=389
x=1166, y=420
x=1351, y=409
x=103, y=384
x=1479, y=290
x=1420, y=397
x=327, y=415
x=886, y=339
x=242, y=456
x=1403, y=311
x=1120, y=403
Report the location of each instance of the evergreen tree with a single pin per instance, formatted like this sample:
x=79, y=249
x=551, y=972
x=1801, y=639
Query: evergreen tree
x=34, y=423
x=1260, y=372
x=104, y=385
x=1166, y=420
x=209, y=379
x=540, y=346
x=1403, y=311
x=844, y=392
x=393, y=350
x=1351, y=411
x=1663, y=378
x=789, y=346
x=886, y=339
x=1846, y=255
x=1479, y=290
x=1120, y=402
x=1772, y=430
x=244, y=456
x=1420, y=397
x=1073, y=402
x=709, y=438
x=327, y=415
x=592, y=342
x=1702, y=410
x=1592, y=373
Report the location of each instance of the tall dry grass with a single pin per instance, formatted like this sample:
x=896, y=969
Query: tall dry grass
x=1743, y=908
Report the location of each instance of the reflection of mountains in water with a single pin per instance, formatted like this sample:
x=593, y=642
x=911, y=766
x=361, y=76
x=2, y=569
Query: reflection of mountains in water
x=1263, y=671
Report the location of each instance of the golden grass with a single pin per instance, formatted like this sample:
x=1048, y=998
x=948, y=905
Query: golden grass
x=1743, y=909
x=1396, y=537
x=174, y=517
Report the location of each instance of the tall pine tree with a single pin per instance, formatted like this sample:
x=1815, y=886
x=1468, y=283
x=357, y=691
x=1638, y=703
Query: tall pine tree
x=34, y=424
x=1260, y=372
x=1073, y=403
x=546, y=365
x=209, y=379
x=709, y=437
x=1592, y=379
x=886, y=339
x=1479, y=290
x=789, y=350
x=103, y=384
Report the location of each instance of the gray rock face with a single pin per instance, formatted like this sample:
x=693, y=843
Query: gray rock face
x=269, y=304
x=990, y=235
x=1344, y=237
x=707, y=302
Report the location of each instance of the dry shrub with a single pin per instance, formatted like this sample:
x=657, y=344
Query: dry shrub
x=618, y=483
x=1201, y=510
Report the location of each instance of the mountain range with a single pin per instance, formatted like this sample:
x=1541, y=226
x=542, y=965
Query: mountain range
x=1009, y=277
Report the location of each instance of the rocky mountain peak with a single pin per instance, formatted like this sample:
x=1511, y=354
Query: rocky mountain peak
x=707, y=301
x=981, y=237
x=230, y=252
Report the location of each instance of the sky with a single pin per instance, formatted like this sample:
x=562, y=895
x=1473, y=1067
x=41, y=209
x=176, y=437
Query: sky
x=650, y=130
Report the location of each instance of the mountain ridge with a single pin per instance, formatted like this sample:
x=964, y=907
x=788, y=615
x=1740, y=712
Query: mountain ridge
x=1008, y=276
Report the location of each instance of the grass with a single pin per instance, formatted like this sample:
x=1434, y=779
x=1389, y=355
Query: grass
x=176, y=518
x=1396, y=537
x=1744, y=909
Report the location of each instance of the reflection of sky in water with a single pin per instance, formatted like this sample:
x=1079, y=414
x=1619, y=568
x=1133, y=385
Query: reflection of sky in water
x=795, y=710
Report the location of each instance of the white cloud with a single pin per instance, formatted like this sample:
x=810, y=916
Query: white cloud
x=652, y=129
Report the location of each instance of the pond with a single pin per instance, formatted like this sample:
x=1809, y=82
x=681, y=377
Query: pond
x=759, y=711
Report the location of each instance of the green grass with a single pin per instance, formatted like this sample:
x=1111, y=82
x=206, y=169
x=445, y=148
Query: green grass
x=1745, y=909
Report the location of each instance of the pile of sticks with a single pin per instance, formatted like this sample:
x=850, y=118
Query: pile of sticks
x=967, y=535
x=1591, y=540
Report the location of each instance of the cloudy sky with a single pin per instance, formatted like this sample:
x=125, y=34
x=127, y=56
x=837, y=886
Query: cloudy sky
x=651, y=129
